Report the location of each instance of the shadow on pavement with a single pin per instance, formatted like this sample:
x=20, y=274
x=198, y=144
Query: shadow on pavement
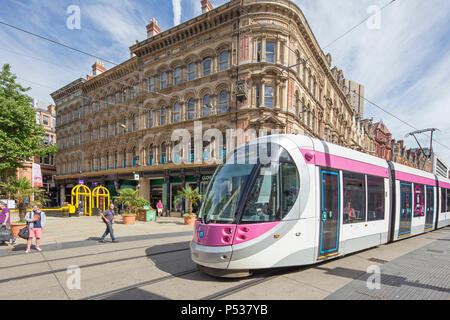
x=163, y=258
x=136, y=294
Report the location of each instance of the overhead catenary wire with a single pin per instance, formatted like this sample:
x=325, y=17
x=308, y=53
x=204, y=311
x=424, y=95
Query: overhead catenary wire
x=57, y=42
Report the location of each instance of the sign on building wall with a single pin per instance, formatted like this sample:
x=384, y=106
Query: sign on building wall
x=37, y=176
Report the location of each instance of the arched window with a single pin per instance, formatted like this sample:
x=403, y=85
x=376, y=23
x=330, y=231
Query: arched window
x=298, y=60
x=296, y=104
x=163, y=80
x=176, y=112
x=191, y=71
x=223, y=102
x=107, y=160
x=124, y=95
x=124, y=158
x=206, y=106
x=223, y=60
x=150, y=119
x=99, y=132
x=268, y=96
x=162, y=116
x=151, y=84
x=206, y=67
x=150, y=155
x=92, y=134
x=177, y=76
x=163, y=153
x=115, y=160
x=133, y=152
x=133, y=123
x=270, y=51
x=191, y=109
x=115, y=127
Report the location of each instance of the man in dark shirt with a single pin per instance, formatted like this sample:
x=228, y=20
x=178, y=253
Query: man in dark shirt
x=108, y=218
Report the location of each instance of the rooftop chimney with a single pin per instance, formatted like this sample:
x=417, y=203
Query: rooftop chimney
x=98, y=68
x=206, y=6
x=153, y=29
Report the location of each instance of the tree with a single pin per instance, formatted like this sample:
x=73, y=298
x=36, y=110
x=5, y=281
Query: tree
x=190, y=195
x=20, y=137
x=131, y=199
x=20, y=190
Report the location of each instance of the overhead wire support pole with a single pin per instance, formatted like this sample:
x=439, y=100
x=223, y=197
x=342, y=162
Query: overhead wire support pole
x=430, y=153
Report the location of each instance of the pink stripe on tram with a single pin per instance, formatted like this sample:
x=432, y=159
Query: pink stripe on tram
x=336, y=162
x=407, y=177
x=444, y=184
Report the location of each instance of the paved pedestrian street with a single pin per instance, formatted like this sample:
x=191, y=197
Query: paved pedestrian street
x=152, y=261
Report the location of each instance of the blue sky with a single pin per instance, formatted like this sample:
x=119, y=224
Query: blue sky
x=404, y=65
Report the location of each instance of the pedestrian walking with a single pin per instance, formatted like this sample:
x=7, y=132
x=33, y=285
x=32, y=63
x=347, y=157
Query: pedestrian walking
x=159, y=207
x=108, y=219
x=5, y=217
x=36, y=223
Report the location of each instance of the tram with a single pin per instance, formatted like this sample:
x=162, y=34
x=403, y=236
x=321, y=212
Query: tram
x=291, y=200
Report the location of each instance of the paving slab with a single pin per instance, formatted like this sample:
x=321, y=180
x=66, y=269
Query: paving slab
x=422, y=274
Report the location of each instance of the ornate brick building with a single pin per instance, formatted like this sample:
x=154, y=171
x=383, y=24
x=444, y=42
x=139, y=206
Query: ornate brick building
x=46, y=118
x=383, y=141
x=227, y=68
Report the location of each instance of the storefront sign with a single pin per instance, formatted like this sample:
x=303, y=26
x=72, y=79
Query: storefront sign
x=206, y=178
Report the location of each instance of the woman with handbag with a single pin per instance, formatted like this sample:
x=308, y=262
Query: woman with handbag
x=5, y=218
x=36, y=222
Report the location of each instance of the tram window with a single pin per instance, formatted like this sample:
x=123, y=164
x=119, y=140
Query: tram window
x=273, y=194
x=419, y=201
x=376, y=203
x=290, y=186
x=354, y=198
x=443, y=202
x=448, y=199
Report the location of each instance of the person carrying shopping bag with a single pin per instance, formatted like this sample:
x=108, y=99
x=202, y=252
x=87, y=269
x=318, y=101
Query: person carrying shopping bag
x=36, y=222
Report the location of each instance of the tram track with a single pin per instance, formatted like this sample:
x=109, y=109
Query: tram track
x=148, y=255
x=265, y=277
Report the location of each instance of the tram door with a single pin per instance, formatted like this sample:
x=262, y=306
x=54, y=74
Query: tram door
x=329, y=220
x=430, y=208
x=405, y=208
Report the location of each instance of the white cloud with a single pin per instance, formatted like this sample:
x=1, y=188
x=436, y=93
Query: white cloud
x=176, y=4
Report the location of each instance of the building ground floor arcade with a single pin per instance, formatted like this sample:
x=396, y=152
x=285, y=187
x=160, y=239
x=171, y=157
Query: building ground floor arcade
x=154, y=185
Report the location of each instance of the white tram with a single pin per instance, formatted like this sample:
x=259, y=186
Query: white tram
x=290, y=200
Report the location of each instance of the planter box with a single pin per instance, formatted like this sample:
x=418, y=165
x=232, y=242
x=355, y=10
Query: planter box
x=129, y=219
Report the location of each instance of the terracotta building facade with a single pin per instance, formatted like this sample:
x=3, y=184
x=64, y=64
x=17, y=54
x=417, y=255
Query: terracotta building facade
x=226, y=69
x=45, y=118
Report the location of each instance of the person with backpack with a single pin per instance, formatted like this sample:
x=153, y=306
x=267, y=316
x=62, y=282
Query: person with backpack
x=36, y=222
x=108, y=219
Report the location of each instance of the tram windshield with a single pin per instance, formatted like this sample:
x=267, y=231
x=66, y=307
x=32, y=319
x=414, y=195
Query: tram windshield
x=253, y=186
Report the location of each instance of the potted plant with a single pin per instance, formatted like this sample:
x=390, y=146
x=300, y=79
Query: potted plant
x=20, y=190
x=133, y=203
x=192, y=196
